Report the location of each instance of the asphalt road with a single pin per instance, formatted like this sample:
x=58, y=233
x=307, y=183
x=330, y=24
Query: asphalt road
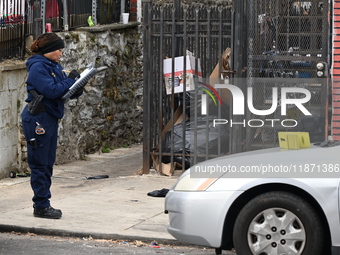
x=30, y=244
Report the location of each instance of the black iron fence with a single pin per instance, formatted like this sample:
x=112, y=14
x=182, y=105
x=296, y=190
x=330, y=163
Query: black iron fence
x=176, y=132
x=278, y=50
x=20, y=18
x=65, y=15
x=12, y=29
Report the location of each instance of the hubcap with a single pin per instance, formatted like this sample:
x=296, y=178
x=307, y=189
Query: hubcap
x=276, y=231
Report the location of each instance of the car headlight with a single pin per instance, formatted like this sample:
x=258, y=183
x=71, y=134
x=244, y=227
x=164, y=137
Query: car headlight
x=187, y=183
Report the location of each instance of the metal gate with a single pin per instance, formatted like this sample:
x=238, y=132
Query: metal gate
x=171, y=30
x=288, y=46
x=276, y=47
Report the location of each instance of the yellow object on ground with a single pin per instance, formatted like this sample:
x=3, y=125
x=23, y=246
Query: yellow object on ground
x=294, y=140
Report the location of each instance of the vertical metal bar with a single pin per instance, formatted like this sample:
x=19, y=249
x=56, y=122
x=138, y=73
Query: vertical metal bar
x=127, y=6
x=204, y=95
x=25, y=30
x=94, y=12
x=209, y=46
x=43, y=15
x=177, y=6
x=209, y=63
x=19, y=25
x=2, y=51
x=238, y=64
x=66, y=25
x=160, y=103
x=220, y=52
x=196, y=98
x=326, y=50
x=252, y=10
x=185, y=9
x=174, y=47
x=37, y=21
x=2, y=34
x=122, y=6
x=146, y=83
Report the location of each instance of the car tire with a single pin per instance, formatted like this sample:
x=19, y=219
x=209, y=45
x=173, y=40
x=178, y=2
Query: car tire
x=278, y=223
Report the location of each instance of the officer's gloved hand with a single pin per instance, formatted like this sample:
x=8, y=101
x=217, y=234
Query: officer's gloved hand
x=74, y=75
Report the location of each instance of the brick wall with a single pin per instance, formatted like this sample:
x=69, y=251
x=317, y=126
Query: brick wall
x=336, y=73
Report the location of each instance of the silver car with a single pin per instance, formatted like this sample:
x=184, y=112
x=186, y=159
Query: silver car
x=266, y=202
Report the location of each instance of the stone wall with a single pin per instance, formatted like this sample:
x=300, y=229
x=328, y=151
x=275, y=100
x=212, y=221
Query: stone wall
x=107, y=115
x=12, y=76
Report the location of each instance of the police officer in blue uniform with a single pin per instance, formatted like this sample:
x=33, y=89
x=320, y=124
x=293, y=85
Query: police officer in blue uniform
x=46, y=84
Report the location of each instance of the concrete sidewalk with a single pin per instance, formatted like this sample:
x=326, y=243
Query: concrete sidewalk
x=110, y=208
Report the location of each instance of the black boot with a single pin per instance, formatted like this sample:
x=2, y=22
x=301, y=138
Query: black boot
x=34, y=206
x=47, y=212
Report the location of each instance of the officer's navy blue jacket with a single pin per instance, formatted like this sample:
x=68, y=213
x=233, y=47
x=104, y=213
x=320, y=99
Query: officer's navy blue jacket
x=48, y=79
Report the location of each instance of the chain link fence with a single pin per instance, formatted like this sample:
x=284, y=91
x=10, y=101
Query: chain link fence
x=288, y=43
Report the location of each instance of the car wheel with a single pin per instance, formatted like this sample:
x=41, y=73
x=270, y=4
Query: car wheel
x=278, y=223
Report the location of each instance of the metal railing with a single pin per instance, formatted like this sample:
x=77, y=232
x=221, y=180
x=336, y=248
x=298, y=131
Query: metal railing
x=12, y=29
x=20, y=18
x=69, y=14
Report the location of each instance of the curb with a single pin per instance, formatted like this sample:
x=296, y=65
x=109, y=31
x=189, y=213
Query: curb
x=63, y=233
